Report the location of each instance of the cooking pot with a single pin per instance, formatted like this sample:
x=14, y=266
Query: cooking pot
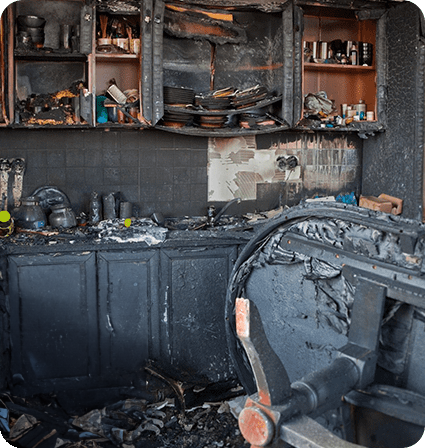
x=62, y=216
x=29, y=215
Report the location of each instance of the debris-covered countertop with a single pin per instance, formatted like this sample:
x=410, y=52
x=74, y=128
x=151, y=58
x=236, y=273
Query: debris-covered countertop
x=139, y=232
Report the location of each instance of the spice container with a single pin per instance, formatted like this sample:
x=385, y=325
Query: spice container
x=6, y=226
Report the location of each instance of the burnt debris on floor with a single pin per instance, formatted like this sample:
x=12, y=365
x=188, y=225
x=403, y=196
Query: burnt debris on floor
x=42, y=422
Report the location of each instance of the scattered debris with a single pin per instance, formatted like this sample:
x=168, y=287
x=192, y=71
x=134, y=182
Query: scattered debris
x=318, y=104
x=191, y=394
x=22, y=426
x=129, y=423
x=4, y=420
x=396, y=203
x=383, y=203
x=140, y=230
x=322, y=199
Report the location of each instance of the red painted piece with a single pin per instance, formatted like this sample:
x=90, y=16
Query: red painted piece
x=256, y=426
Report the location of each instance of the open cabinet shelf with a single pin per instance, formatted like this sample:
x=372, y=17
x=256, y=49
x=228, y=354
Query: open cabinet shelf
x=332, y=35
x=241, y=48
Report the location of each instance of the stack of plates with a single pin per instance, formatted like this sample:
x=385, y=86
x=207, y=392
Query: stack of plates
x=178, y=97
x=254, y=121
x=217, y=100
x=249, y=97
x=212, y=121
x=212, y=103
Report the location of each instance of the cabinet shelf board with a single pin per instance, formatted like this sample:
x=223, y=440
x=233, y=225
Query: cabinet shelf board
x=221, y=132
x=337, y=67
x=111, y=57
x=372, y=126
x=51, y=57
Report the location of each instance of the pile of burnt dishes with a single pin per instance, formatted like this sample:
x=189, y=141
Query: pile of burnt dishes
x=178, y=97
x=30, y=31
x=248, y=97
x=214, y=109
x=215, y=102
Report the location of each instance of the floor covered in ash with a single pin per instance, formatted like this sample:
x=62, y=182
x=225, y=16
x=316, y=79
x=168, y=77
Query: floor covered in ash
x=42, y=422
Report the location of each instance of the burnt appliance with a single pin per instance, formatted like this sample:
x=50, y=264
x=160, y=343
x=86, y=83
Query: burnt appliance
x=325, y=315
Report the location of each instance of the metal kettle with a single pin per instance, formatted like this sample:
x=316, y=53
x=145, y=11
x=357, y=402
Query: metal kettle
x=29, y=214
x=62, y=216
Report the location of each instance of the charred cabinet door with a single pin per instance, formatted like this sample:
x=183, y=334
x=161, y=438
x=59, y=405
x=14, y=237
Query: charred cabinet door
x=152, y=77
x=53, y=320
x=192, y=330
x=128, y=285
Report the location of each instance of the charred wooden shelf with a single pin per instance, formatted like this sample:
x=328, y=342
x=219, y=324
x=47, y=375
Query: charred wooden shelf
x=369, y=126
x=337, y=67
x=116, y=56
x=206, y=112
x=50, y=57
x=111, y=125
x=222, y=132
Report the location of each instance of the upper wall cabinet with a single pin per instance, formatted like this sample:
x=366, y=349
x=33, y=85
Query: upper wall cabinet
x=222, y=70
x=342, y=69
x=4, y=119
x=48, y=48
x=193, y=68
x=182, y=68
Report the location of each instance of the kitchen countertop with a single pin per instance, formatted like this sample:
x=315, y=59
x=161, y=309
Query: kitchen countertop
x=143, y=233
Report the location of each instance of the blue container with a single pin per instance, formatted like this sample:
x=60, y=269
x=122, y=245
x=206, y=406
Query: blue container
x=101, y=110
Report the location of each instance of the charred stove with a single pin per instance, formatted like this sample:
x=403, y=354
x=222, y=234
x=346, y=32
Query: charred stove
x=325, y=312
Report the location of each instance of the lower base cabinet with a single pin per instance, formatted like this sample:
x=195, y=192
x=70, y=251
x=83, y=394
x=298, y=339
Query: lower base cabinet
x=94, y=319
x=53, y=320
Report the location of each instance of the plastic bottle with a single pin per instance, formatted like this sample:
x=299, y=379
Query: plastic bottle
x=95, y=213
x=354, y=55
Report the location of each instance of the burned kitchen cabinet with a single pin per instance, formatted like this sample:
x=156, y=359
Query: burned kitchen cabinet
x=191, y=326
x=128, y=288
x=49, y=43
x=223, y=70
x=4, y=322
x=200, y=69
x=4, y=119
x=53, y=324
x=119, y=51
x=93, y=319
x=339, y=68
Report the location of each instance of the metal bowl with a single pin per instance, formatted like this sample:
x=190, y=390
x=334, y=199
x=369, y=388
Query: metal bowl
x=31, y=21
x=35, y=31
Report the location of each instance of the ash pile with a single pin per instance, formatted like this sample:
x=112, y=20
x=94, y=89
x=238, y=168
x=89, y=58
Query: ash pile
x=130, y=423
x=58, y=108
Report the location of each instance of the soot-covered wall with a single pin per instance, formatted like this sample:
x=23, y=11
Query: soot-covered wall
x=393, y=160
x=174, y=174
